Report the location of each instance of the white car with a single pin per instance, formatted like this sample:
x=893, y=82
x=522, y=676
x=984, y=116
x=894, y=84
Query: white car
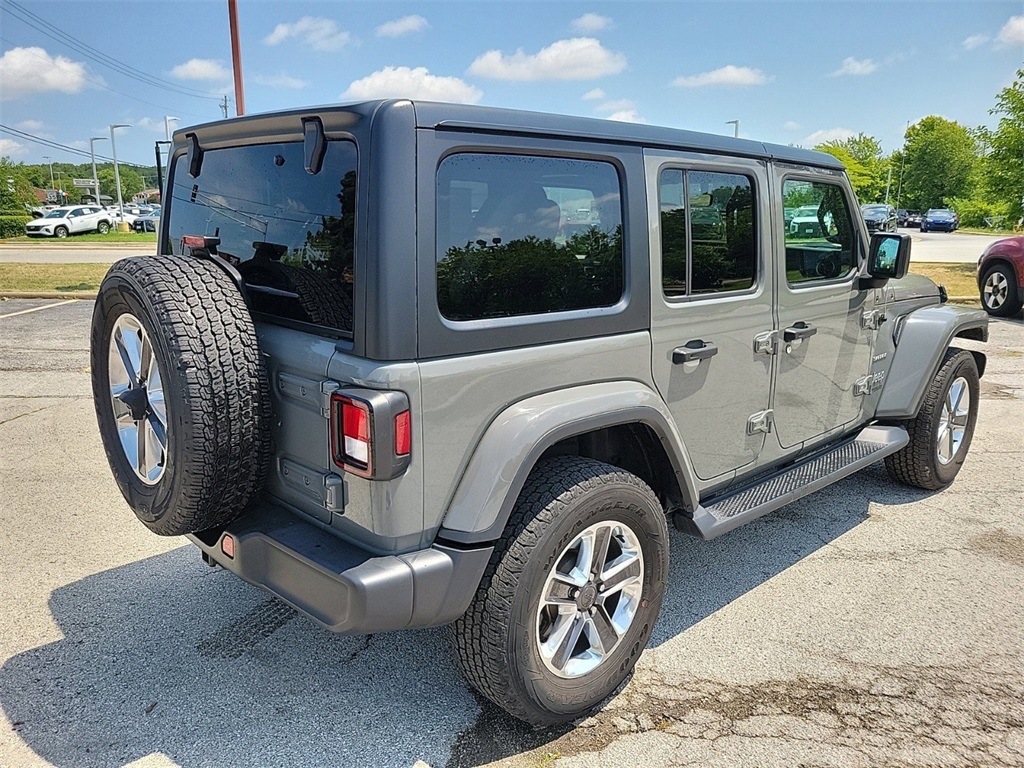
x=130, y=214
x=805, y=222
x=70, y=220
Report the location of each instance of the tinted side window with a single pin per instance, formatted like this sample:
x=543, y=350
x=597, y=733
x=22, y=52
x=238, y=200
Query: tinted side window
x=523, y=235
x=820, y=238
x=713, y=212
x=290, y=233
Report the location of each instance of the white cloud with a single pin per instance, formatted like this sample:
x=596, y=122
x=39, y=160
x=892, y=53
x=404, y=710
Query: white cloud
x=280, y=80
x=727, y=75
x=593, y=94
x=791, y=125
x=30, y=125
x=318, y=33
x=579, y=58
x=626, y=116
x=852, y=66
x=1012, y=32
x=827, y=134
x=616, y=105
x=33, y=70
x=201, y=69
x=406, y=83
x=403, y=26
x=974, y=41
x=589, y=23
x=11, y=148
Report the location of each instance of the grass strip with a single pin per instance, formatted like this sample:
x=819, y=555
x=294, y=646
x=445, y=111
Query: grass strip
x=60, y=278
x=959, y=279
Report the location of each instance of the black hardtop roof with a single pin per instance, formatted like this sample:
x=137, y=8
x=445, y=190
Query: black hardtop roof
x=440, y=115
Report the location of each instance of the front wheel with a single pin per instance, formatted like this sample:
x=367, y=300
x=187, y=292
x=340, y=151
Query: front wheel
x=940, y=435
x=571, y=595
x=60, y=232
x=999, y=294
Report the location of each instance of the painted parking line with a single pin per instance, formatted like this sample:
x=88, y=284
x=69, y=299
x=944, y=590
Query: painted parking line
x=37, y=309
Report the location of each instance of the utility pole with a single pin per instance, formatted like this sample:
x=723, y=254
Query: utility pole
x=888, y=183
x=50, y=161
x=236, y=58
x=224, y=105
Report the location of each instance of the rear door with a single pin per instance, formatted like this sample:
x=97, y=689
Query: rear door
x=824, y=319
x=711, y=303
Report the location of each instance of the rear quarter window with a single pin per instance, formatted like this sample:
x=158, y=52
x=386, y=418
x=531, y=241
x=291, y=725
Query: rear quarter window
x=526, y=235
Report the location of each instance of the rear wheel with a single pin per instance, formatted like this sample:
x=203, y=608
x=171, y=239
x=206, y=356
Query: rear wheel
x=940, y=435
x=103, y=227
x=181, y=393
x=571, y=595
x=999, y=294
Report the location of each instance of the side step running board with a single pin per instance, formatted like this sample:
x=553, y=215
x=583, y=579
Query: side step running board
x=793, y=482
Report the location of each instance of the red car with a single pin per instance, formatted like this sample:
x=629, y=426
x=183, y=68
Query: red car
x=1001, y=277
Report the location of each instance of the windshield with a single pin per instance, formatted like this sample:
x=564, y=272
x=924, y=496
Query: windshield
x=874, y=209
x=59, y=213
x=289, y=232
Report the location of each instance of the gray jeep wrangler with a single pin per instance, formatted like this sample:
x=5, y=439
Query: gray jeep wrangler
x=406, y=364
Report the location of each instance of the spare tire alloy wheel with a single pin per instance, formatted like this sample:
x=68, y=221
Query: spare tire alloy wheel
x=137, y=399
x=572, y=592
x=181, y=392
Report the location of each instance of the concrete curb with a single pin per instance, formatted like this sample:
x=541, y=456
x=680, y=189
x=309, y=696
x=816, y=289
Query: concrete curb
x=47, y=295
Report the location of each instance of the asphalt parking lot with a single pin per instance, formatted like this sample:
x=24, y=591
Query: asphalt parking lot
x=868, y=624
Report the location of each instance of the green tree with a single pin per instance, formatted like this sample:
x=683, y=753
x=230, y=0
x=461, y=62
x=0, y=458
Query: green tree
x=131, y=182
x=15, y=187
x=941, y=162
x=1003, y=175
x=865, y=163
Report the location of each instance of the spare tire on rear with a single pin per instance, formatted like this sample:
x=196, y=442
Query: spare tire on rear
x=181, y=392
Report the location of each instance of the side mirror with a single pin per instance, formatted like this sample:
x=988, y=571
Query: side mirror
x=888, y=259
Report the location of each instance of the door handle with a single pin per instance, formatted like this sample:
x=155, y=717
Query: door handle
x=694, y=350
x=799, y=330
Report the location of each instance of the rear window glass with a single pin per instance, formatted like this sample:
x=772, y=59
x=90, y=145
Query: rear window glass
x=290, y=233
x=524, y=235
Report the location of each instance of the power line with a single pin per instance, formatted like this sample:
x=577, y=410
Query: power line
x=57, y=145
x=48, y=29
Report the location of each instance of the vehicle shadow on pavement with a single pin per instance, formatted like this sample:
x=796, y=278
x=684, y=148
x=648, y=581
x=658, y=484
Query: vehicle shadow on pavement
x=166, y=656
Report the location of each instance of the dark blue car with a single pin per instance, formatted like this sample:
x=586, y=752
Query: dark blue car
x=938, y=219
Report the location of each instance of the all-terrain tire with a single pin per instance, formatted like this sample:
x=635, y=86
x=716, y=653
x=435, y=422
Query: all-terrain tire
x=497, y=642
x=215, y=391
x=917, y=464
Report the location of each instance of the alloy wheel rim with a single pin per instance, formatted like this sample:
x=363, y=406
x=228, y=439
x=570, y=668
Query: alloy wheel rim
x=590, y=599
x=956, y=410
x=137, y=397
x=996, y=288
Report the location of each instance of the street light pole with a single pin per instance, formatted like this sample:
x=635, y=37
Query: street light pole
x=92, y=154
x=47, y=158
x=736, y=124
x=117, y=174
x=167, y=125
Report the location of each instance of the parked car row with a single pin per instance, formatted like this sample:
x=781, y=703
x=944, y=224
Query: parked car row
x=54, y=221
x=879, y=217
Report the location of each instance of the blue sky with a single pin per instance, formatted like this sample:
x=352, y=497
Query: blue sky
x=790, y=72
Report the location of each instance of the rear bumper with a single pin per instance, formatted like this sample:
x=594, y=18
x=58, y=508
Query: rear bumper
x=341, y=586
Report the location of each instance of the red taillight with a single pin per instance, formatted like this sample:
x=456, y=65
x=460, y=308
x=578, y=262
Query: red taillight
x=227, y=545
x=353, y=449
x=403, y=434
x=371, y=432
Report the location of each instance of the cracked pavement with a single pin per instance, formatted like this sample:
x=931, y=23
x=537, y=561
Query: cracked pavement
x=868, y=624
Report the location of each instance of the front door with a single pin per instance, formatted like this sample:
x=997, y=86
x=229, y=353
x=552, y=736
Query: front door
x=824, y=318
x=711, y=300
